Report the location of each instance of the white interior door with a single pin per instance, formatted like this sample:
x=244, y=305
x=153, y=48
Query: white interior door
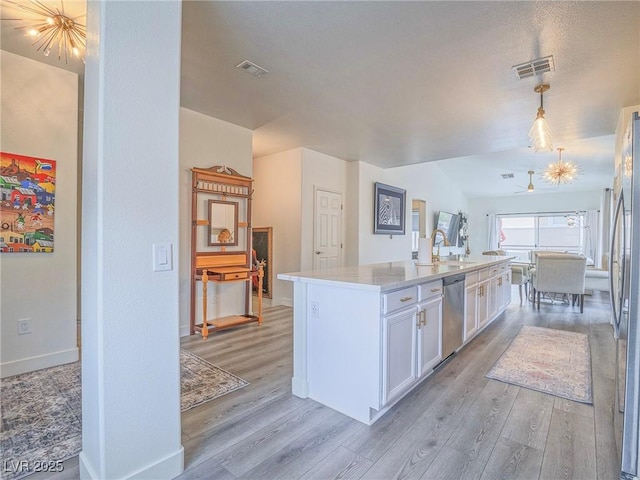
x=327, y=242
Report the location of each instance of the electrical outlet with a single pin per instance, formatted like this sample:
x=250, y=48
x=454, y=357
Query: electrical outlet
x=24, y=326
x=315, y=310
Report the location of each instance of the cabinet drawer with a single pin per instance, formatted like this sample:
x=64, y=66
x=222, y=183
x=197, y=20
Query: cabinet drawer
x=234, y=276
x=399, y=299
x=495, y=270
x=483, y=274
x=471, y=278
x=430, y=290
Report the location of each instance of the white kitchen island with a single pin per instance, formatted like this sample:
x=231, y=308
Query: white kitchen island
x=365, y=336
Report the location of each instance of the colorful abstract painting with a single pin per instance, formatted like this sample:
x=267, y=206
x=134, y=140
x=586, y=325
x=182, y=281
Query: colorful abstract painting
x=27, y=201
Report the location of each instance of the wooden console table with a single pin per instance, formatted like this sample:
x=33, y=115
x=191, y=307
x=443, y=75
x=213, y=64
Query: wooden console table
x=221, y=252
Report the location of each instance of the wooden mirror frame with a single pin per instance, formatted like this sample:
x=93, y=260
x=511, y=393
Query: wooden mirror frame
x=262, y=241
x=217, y=231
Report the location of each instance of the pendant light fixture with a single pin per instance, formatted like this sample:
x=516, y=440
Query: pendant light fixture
x=560, y=171
x=530, y=186
x=540, y=133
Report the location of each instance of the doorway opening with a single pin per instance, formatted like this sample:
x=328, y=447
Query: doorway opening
x=418, y=224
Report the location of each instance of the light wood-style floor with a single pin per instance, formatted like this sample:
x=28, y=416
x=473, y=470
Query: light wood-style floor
x=457, y=425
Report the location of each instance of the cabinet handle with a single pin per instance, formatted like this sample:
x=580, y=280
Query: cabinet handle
x=433, y=290
x=424, y=318
x=419, y=322
x=405, y=299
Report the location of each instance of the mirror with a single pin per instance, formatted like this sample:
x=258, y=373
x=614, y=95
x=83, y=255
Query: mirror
x=223, y=223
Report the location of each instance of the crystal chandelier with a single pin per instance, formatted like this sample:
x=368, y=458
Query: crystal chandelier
x=51, y=27
x=540, y=133
x=560, y=171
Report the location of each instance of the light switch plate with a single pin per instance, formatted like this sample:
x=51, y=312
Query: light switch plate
x=162, y=257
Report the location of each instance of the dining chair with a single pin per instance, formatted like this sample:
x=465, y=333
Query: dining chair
x=560, y=273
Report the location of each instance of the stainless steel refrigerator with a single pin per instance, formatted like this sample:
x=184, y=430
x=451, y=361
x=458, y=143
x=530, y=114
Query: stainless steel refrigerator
x=624, y=269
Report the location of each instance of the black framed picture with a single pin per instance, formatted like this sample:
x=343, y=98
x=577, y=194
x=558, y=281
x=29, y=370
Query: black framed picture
x=263, y=251
x=389, y=209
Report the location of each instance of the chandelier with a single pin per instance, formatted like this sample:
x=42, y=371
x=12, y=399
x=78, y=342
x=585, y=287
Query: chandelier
x=51, y=27
x=560, y=171
x=540, y=133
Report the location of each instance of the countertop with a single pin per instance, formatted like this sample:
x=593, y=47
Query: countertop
x=383, y=277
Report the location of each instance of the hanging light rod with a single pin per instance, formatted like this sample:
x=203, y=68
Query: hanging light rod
x=530, y=186
x=540, y=133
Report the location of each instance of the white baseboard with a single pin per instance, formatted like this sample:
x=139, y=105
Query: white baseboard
x=165, y=468
x=39, y=362
x=184, y=331
x=87, y=471
x=299, y=388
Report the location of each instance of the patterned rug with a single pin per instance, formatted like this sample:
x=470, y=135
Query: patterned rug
x=548, y=360
x=47, y=427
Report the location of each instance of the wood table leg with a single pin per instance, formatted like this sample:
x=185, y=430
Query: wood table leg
x=205, y=326
x=260, y=280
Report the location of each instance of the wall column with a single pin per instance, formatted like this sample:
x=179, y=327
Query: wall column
x=130, y=343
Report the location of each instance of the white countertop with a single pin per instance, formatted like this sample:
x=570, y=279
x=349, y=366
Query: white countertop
x=389, y=276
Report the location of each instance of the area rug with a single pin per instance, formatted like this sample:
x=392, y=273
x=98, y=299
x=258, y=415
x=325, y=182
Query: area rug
x=201, y=381
x=42, y=419
x=548, y=360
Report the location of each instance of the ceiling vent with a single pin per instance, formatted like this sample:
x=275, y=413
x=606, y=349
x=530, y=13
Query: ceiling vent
x=252, y=68
x=505, y=176
x=534, y=67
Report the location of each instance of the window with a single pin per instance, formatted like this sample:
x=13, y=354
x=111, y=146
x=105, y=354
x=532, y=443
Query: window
x=561, y=232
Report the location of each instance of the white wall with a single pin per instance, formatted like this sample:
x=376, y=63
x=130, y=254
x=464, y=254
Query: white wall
x=552, y=202
x=130, y=343
x=204, y=142
x=39, y=109
x=278, y=204
x=424, y=181
x=323, y=172
x=351, y=212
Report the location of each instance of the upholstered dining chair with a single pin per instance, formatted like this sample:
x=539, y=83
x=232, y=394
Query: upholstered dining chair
x=519, y=273
x=560, y=273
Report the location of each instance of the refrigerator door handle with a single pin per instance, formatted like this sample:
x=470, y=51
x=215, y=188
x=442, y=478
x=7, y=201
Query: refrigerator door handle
x=612, y=292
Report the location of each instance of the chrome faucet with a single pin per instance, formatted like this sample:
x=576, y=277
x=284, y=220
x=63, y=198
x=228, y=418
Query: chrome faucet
x=436, y=257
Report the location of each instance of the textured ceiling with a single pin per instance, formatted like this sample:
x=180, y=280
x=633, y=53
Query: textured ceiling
x=398, y=83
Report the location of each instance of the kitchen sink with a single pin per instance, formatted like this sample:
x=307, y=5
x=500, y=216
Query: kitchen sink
x=456, y=262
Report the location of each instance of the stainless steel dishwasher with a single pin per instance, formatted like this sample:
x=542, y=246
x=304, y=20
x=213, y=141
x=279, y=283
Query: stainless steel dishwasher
x=452, y=314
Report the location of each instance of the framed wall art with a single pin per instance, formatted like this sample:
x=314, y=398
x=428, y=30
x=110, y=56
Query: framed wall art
x=263, y=252
x=27, y=201
x=389, y=209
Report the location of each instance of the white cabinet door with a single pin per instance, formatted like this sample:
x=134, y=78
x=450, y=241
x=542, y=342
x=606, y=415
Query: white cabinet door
x=483, y=303
x=506, y=289
x=494, y=296
x=429, y=335
x=399, y=352
x=470, y=312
